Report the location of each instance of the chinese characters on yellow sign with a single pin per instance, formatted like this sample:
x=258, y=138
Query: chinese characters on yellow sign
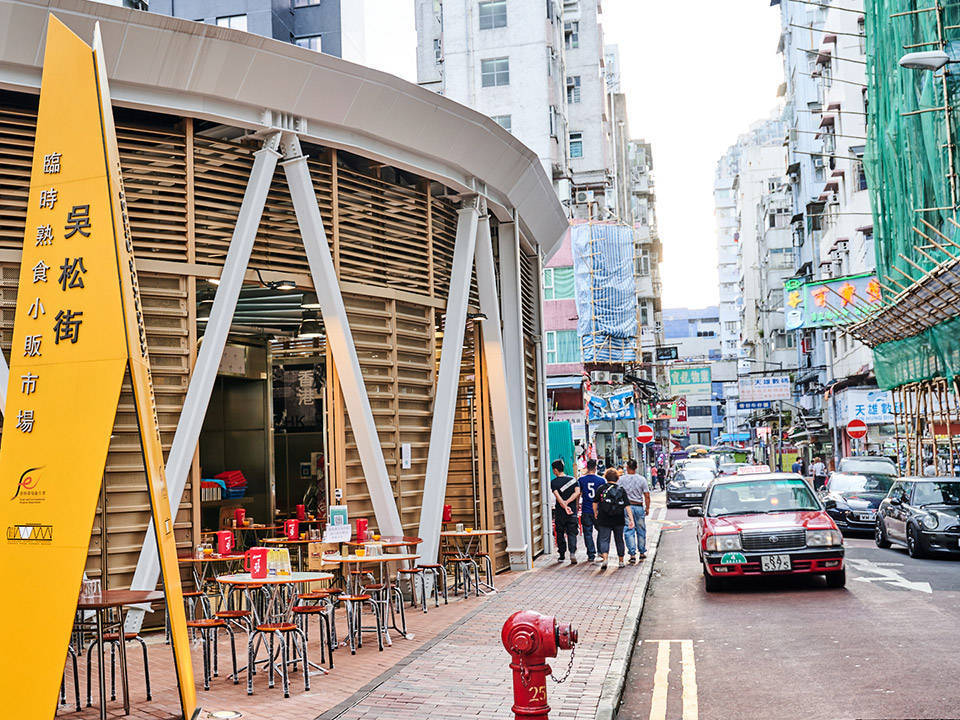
x=77, y=309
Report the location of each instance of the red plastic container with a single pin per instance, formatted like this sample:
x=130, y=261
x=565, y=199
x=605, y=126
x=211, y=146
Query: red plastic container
x=291, y=529
x=361, y=529
x=224, y=542
x=255, y=562
x=301, y=513
x=239, y=514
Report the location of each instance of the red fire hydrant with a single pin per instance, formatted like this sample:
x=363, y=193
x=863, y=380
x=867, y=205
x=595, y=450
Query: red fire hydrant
x=531, y=638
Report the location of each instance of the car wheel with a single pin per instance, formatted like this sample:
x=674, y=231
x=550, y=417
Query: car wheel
x=837, y=579
x=914, y=543
x=711, y=583
x=880, y=535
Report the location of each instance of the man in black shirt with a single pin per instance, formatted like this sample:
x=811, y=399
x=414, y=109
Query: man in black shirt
x=566, y=491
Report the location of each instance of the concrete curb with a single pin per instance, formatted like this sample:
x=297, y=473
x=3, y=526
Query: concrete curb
x=617, y=675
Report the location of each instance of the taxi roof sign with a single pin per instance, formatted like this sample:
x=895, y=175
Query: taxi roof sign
x=753, y=469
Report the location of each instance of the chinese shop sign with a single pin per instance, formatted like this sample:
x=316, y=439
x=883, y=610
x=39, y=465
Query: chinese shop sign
x=690, y=381
x=826, y=303
x=78, y=328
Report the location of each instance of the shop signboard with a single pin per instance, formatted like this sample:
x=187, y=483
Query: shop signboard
x=681, y=409
x=872, y=406
x=767, y=387
x=78, y=328
x=664, y=410
x=617, y=405
x=826, y=303
x=754, y=405
x=690, y=380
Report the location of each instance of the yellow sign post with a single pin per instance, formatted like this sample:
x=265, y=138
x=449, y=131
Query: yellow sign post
x=78, y=327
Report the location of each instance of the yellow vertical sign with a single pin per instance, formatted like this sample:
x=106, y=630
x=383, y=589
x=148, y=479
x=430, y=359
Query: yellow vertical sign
x=78, y=326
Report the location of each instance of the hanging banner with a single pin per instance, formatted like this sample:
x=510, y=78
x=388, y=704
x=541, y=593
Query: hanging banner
x=873, y=406
x=616, y=406
x=78, y=326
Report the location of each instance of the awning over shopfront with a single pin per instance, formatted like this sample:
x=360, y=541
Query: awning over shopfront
x=562, y=382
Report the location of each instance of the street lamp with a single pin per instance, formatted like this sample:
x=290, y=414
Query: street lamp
x=926, y=60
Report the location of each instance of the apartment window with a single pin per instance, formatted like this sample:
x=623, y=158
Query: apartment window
x=437, y=50
x=573, y=89
x=862, y=40
x=495, y=72
x=555, y=122
x=504, y=121
x=305, y=3
x=700, y=411
x=730, y=326
x=576, y=144
x=571, y=34
x=562, y=346
x=493, y=14
x=311, y=42
x=234, y=22
x=644, y=315
x=558, y=283
x=643, y=263
x=784, y=340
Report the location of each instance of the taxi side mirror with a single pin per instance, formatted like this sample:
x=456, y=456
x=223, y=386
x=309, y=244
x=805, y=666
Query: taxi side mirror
x=695, y=511
x=830, y=504
x=895, y=501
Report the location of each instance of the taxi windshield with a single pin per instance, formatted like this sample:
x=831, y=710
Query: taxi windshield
x=761, y=496
x=861, y=483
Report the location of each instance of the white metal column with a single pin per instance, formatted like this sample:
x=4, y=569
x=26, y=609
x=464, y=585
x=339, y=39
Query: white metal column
x=448, y=380
x=511, y=487
x=511, y=313
x=4, y=379
x=208, y=359
x=339, y=337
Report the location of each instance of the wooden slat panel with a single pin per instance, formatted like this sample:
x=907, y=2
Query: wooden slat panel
x=533, y=447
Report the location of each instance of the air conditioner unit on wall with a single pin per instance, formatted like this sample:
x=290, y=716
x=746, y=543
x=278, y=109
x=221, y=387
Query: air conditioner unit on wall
x=616, y=378
x=600, y=376
x=584, y=196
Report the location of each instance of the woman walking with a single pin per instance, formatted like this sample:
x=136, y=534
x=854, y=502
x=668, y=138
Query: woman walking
x=609, y=508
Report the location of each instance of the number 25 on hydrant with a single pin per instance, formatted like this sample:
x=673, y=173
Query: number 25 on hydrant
x=531, y=638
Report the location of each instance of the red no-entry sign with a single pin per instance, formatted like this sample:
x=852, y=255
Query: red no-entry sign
x=644, y=434
x=857, y=429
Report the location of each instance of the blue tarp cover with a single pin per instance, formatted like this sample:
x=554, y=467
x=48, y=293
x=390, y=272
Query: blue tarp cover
x=606, y=291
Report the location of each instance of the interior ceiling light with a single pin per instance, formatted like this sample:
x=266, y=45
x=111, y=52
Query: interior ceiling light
x=310, y=329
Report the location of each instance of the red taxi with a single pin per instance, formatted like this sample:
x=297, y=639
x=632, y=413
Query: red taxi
x=766, y=523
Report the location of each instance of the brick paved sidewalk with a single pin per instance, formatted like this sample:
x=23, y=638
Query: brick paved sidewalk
x=454, y=666
x=465, y=671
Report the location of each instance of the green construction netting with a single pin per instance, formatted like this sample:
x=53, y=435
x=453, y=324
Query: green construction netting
x=906, y=161
x=932, y=353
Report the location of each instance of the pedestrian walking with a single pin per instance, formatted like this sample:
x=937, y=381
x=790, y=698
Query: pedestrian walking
x=609, y=508
x=566, y=491
x=797, y=466
x=819, y=471
x=589, y=484
x=638, y=496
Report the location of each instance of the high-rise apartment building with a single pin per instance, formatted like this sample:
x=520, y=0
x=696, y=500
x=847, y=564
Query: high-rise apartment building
x=334, y=27
x=506, y=60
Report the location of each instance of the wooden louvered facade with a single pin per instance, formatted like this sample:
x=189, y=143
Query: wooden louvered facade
x=392, y=237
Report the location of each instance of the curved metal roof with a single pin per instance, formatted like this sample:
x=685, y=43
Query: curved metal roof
x=181, y=67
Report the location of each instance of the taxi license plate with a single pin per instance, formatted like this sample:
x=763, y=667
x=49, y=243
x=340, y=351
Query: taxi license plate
x=692, y=495
x=866, y=517
x=774, y=563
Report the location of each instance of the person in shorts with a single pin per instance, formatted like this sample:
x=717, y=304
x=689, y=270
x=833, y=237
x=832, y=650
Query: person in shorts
x=589, y=484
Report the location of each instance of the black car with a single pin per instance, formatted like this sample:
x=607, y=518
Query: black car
x=921, y=513
x=867, y=464
x=689, y=486
x=857, y=497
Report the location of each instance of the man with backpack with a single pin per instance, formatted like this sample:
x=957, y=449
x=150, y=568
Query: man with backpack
x=609, y=508
x=566, y=492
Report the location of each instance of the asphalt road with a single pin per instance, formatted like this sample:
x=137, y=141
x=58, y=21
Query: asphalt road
x=885, y=647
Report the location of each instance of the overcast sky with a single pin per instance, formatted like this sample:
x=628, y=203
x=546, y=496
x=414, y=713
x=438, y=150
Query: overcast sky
x=696, y=75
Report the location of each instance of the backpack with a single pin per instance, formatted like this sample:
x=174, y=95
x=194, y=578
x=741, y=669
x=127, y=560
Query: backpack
x=613, y=500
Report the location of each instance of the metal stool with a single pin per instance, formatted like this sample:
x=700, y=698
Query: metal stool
x=282, y=630
x=463, y=566
x=488, y=568
x=208, y=629
x=413, y=575
x=71, y=653
x=354, y=608
x=439, y=573
x=302, y=614
x=240, y=618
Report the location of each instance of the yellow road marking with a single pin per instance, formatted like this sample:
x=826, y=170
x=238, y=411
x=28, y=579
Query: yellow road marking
x=658, y=704
x=688, y=676
x=691, y=709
